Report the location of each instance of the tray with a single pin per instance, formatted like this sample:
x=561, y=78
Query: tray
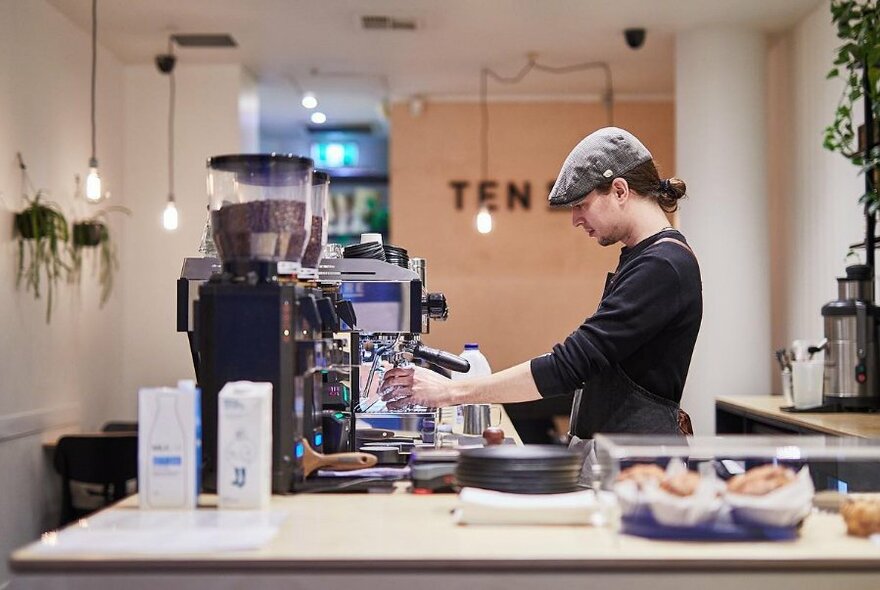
x=643, y=524
x=823, y=409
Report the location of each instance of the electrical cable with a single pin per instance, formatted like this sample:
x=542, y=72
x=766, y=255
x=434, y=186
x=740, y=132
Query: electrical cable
x=94, y=67
x=26, y=185
x=532, y=64
x=171, y=95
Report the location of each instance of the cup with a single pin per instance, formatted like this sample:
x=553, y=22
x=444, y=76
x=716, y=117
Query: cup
x=787, y=397
x=372, y=237
x=332, y=250
x=478, y=417
x=806, y=381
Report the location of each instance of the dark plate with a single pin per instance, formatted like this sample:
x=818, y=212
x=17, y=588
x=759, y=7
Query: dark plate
x=519, y=466
x=528, y=453
x=536, y=482
x=521, y=489
x=519, y=473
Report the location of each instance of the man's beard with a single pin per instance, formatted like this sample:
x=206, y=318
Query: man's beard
x=614, y=235
x=609, y=240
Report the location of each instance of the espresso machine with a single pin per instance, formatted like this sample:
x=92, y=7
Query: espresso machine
x=256, y=313
x=851, y=352
x=389, y=310
x=260, y=312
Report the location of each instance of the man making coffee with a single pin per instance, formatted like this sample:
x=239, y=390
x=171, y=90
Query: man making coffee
x=627, y=363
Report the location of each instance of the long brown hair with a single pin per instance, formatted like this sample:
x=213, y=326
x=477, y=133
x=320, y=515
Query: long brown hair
x=645, y=180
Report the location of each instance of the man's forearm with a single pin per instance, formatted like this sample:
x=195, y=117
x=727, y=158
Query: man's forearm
x=512, y=385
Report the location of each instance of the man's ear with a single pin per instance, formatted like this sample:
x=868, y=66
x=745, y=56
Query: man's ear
x=620, y=188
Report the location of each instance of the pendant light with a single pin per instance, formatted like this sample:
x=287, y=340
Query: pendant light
x=165, y=63
x=93, y=180
x=484, y=220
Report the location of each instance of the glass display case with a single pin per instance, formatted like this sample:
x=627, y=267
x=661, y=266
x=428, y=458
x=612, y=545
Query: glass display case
x=836, y=463
x=730, y=487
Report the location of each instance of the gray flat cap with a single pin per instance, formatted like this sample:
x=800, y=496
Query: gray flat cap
x=599, y=158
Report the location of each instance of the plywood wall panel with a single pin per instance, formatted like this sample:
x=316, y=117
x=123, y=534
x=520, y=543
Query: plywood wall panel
x=529, y=283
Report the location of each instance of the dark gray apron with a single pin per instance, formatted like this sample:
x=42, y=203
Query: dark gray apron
x=612, y=403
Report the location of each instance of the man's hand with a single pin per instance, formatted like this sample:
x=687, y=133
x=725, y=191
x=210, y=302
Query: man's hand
x=402, y=388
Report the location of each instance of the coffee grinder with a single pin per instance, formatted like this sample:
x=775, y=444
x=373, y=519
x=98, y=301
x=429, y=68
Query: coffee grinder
x=257, y=319
x=851, y=362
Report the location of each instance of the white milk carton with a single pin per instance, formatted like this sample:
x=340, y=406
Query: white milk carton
x=169, y=446
x=244, y=445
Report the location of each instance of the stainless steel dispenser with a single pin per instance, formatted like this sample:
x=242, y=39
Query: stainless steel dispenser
x=851, y=361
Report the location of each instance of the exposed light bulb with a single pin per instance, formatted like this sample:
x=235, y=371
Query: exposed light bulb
x=169, y=216
x=484, y=221
x=93, y=182
x=309, y=100
x=318, y=118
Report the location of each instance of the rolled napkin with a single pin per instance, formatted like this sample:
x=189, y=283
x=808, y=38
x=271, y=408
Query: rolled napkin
x=479, y=506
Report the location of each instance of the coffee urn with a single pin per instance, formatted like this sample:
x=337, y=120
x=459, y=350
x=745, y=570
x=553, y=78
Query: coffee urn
x=851, y=322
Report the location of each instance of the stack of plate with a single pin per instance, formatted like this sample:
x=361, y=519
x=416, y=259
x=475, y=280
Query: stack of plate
x=533, y=469
x=396, y=255
x=366, y=250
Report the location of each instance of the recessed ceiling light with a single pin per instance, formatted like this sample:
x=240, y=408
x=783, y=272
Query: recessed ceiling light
x=309, y=101
x=318, y=118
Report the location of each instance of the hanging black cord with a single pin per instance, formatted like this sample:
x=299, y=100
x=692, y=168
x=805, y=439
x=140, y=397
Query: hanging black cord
x=27, y=186
x=608, y=97
x=171, y=135
x=484, y=124
x=486, y=73
x=94, y=67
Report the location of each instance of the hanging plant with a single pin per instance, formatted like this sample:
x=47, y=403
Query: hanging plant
x=94, y=232
x=41, y=232
x=858, y=26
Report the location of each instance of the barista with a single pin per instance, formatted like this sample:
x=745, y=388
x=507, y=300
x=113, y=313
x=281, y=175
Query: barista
x=627, y=363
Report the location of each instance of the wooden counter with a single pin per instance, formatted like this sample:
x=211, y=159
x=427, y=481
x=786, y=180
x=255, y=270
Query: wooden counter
x=379, y=541
x=401, y=541
x=761, y=415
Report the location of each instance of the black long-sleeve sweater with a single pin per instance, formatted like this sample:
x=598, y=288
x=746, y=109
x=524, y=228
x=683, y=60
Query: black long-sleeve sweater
x=647, y=322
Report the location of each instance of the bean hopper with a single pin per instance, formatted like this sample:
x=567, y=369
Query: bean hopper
x=258, y=319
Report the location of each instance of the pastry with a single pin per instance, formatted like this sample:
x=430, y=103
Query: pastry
x=642, y=474
x=683, y=484
x=862, y=517
x=762, y=480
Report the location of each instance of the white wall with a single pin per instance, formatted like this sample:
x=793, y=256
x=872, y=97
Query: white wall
x=721, y=155
x=51, y=374
x=70, y=372
x=249, y=113
x=206, y=121
x=814, y=193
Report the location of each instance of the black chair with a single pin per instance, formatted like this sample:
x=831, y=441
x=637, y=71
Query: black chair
x=99, y=466
x=120, y=427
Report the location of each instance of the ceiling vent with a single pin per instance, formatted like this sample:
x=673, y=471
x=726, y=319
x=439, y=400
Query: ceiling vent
x=204, y=40
x=388, y=23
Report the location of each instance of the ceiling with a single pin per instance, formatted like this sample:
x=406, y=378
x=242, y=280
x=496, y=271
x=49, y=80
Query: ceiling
x=292, y=46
